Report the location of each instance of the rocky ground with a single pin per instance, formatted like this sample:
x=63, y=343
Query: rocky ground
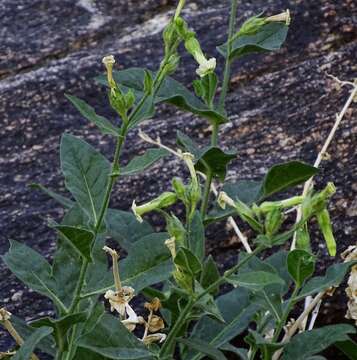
x=282, y=106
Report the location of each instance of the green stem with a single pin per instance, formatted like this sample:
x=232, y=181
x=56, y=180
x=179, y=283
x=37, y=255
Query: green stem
x=227, y=68
x=206, y=192
x=168, y=346
x=286, y=313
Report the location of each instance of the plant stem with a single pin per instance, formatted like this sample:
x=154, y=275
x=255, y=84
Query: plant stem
x=227, y=67
x=222, y=98
x=167, y=348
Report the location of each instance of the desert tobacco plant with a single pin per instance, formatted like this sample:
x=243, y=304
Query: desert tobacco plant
x=186, y=315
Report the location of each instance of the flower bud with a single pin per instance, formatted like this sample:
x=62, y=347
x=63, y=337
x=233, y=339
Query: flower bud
x=164, y=200
x=273, y=221
x=171, y=64
x=251, y=26
x=324, y=221
x=303, y=238
x=171, y=245
x=179, y=188
x=176, y=229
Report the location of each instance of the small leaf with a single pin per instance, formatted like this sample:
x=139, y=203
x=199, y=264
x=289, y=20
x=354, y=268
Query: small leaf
x=105, y=126
x=28, y=347
x=333, y=277
x=209, y=274
x=255, y=281
x=65, y=202
x=203, y=347
x=187, y=261
x=312, y=342
x=197, y=236
x=60, y=326
x=86, y=173
x=269, y=37
x=301, y=265
x=80, y=239
x=112, y=340
x=143, y=162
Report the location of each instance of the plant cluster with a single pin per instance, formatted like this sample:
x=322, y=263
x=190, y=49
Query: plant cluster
x=185, y=316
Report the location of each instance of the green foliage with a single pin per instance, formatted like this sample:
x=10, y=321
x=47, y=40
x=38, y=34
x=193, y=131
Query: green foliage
x=185, y=316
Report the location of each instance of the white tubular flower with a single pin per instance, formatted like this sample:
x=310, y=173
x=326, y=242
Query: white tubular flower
x=205, y=66
x=158, y=337
x=223, y=199
x=109, y=62
x=282, y=17
x=134, y=210
x=4, y=314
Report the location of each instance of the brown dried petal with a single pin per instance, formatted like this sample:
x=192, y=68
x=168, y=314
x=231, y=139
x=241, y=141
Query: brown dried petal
x=156, y=324
x=158, y=337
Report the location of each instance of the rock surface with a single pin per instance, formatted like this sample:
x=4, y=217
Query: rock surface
x=282, y=107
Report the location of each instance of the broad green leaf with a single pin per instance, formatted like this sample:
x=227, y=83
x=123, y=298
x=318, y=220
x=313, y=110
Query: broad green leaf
x=86, y=173
x=171, y=91
x=267, y=347
x=123, y=227
x=312, y=342
x=80, y=239
x=242, y=353
x=203, y=347
x=149, y=262
x=269, y=37
x=143, y=162
x=284, y=176
x=60, y=326
x=65, y=202
x=187, y=261
x=207, y=159
x=255, y=281
x=237, y=311
x=209, y=274
x=105, y=126
x=333, y=277
x=197, y=236
x=301, y=265
x=279, y=177
x=348, y=347
x=33, y=270
x=46, y=345
x=111, y=339
x=28, y=347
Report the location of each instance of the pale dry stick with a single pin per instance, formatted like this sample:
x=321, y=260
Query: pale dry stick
x=234, y=225
x=299, y=321
x=321, y=154
x=314, y=315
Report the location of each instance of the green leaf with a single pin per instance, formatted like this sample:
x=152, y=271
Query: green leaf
x=204, y=348
x=255, y=281
x=28, y=347
x=80, y=239
x=348, y=347
x=209, y=274
x=208, y=159
x=171, y=91
x=60, y=326
x=33, y=270
x=65, y=202
x=143, y=162
x=269, y=37
x=86, y=173
x=333, y=277
x=284, y=176
x=237, y=311
x=123, y=227
x=111, y=339
x=312, y=342
x=187, y=261
x=197, y=236
x=301, y=265
x=105, y=126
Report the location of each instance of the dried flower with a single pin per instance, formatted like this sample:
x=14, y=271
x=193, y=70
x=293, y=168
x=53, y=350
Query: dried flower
x=116, y=275
x=158, y=337
x=4, y=314
x=132, y=320
x=153, y=305
x=171, y=244
x=120, y=299
x=155, y=324
x=109, y=62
